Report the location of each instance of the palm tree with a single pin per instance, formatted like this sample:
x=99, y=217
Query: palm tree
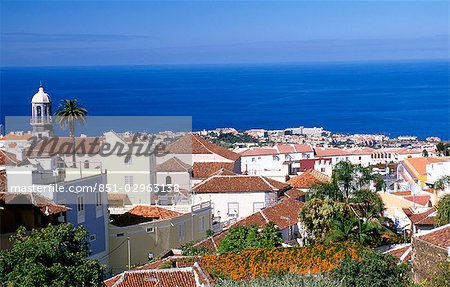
x=69, y=112
x=355, y=230
x=347, y=178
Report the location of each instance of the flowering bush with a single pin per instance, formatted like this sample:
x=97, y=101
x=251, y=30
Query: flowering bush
x=253, y=263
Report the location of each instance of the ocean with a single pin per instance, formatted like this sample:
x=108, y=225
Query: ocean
x=393, y=98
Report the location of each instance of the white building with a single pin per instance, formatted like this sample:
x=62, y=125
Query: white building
x=238, y=196
x=273, y=162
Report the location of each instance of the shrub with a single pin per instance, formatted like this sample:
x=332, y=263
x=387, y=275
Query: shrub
x=372, y=270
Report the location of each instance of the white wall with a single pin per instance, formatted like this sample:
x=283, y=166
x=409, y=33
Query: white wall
x=245, y=200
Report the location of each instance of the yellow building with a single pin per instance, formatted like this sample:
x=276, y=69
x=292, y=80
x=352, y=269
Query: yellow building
x=144, y=232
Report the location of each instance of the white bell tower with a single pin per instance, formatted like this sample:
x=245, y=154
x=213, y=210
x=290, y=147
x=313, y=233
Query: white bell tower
x=41, y=114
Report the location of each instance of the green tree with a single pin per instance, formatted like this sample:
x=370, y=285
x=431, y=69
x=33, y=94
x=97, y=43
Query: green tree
x=52, y=256
x=244, y=237
x=442, y=183
x=68, y=114
x=353, y=229
x=443, y=210
x=369, y=203
x=443, y=149
x=372, y=270
x=346, y=179
x=318, y=214
x=425, y=153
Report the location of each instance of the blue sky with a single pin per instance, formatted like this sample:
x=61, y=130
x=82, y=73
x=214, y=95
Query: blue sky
x=59, y=33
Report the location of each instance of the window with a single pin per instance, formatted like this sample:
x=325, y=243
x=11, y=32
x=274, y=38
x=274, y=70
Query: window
x=233, y=209
x=202, y=223
x=168, y=180
x=98, y=198
x=359, y=158
x=128, y=160
x=92, y=237
x=129, y=180
x=181, y=231
x=257, y=206
x=253, y=159
x=322, y=169
x=86, y=164
x=276, y=158
x=120, y=234
x=39, y=111
x=150, y=229
x=80, y=204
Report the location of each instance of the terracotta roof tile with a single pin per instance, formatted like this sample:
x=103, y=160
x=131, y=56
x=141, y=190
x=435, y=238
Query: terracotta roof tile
x=173, y=277
x=439, y=236
x=143, y=213
x=259, y=151
x=423, y=200
x=403, y=253
x=7, y=158
x=419, y=164
x=239, y=183
x=194, y=144
x=427, y=217
x=325, y=152
x=16, y=137
x=45, y=205
x=64, y=145
x=206, y=169
x=173, y=164
x=308, y=178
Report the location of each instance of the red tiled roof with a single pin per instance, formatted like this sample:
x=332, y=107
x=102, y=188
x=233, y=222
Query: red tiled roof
x=45, y=205
x=223, y=171
x=427, y=217
x=206, y=169
x=173, y=165
x=361, y=151
x=15, y=137
x=259, y=151
x=282, y=214
x=7, y=158
x=172, y=277
x=144, y=213
x=402, y=192
x=403, y=253
x=308, y=178
x=294, y=193
x=419, y=164
x=419, y=199
x=324, y=152
x=64, y=145
x=194, y=144
x=439, y=236
x=238, y=183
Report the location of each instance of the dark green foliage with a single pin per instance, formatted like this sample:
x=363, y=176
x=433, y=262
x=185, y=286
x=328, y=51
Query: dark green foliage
x=317, y=216
x=369, y=204
x=374, y=270
x=443, y=149
x=353, y=229
x=443, y=210
x=235, y=138
x=188, y=249
x=244, y=237
x=209, y=232
x=51, y=256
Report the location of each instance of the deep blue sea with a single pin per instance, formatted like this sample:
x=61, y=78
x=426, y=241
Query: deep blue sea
x=396, y=98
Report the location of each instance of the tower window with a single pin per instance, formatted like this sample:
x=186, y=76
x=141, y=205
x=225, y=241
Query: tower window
x=168, y=180
x=39, y=111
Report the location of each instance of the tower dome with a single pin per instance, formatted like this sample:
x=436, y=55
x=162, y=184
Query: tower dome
x=41, y=97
